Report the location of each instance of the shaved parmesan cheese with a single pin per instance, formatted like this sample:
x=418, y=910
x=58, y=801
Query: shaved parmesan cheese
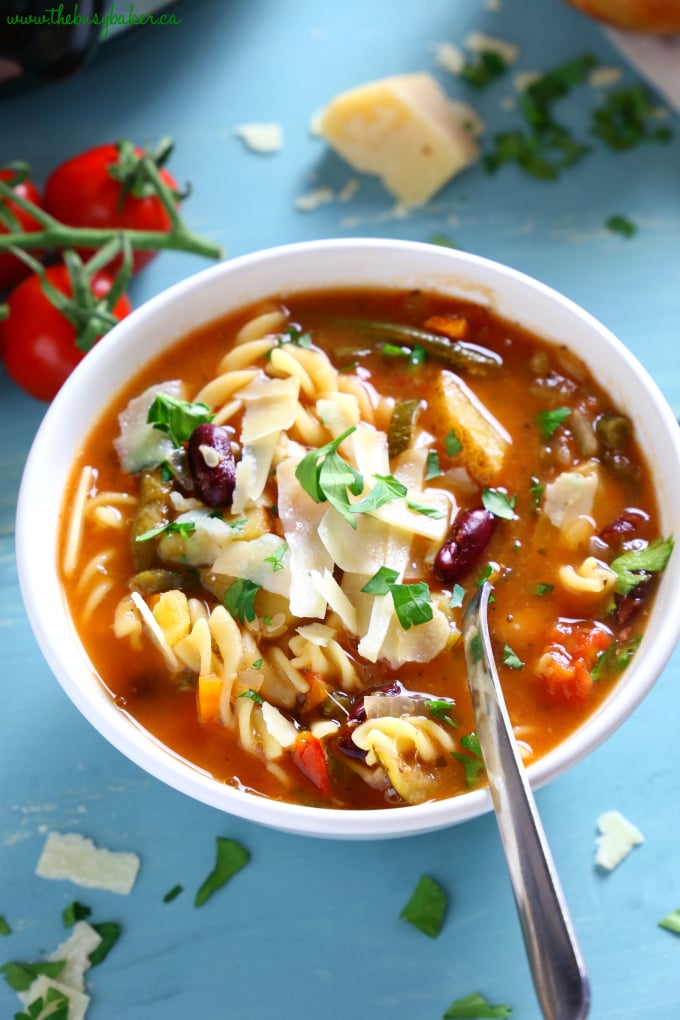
x=252, y=471
x=571, y=495
x=261, y=137
x=404, y=129
x=139, y=444
x=336, y=598
x=255, y=560
x=155, y=631
x=73, y=857
x=617, y=839
x=278, y=725
x=75, y=951
x=361, y=551
x=450, y=57
x=77, y=1001
x=300, y=517
x=316, y=633
x=271, y=406
x=417, y=644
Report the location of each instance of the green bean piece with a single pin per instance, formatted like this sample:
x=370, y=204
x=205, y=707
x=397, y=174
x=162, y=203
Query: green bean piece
x=458, y=354
x=614, y=430
x=152, y=512
x=402, y=424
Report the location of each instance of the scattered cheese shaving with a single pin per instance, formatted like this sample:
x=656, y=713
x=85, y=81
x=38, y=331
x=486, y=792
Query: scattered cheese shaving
x=314, y=198
x=73, y=857
x=617, y=839
x=264, y=138
x=77, y=1001
x=76, y=951
x=449, y=57
x=601, y=77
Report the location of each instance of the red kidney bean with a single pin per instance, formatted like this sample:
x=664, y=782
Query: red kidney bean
x=212, y=465
x=626, y=524
x=471, y=533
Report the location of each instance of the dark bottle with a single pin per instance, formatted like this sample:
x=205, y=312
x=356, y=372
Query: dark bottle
x=49, y=39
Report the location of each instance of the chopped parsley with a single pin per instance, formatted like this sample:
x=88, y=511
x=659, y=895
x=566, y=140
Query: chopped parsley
x=476, y=1007
x=276, y=558
x=637, y=565
x=381, y=582
x=452, y=443
x=511, y=659
x=457, y=596
x=74, y=912
x=543, y=588
x=625, y=119
x=183, y=528
x=621, y=225
x=441, y=709
x=109, y=933
x=257, y=664
x=386, y=489
x=4, y=926
x=55, y=1005
x=426, y=908
x=499, y=504
x=252, y=694
x=473, y=762
x=442, y=240
x=239, y=599
x=173, y=893
x=296, y=337
x=177, y=418
x=536, y=489
x=549, y=421
x=230, y=858
x=426, y=511
x=484, y=68
x=327, y=477
x=20, y=976
x=671, y=922
x=412, y=602
x=433, y=468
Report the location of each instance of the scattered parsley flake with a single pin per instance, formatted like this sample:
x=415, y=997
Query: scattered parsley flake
x=441, y=709
x=295, y=337
x=543, y=588
x=433, y=468
x=109, y=933
x=257, y=664
x=173, y=893
x=74, y=912
x=276, y=557
x=239, y=599
x=183, y=528
x=499, y=504
x=177, y=418
x=20, y=976
x=231, y=857
x=671, y=922
x=426, y=511
x=4, y=926
x=327, y=477
x=386, y=489
x=253, y=695
x=637, y=565
x=485, y=67
x=442, y=240
x=426, y=908
x=536, y=489
x=549, y=421
x=476, y=1007
x=457, y=596
x=625, y=119
x=452, y=443
x=412, y=603
x=381, y=582
x=511, y=659
x=54, y=1006
x=621, y=225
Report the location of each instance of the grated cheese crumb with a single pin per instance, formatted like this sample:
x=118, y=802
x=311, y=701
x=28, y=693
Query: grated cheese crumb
x=617, y=839
x=601, y=77
x=313, y=199
x=263, y=138
x=73, y=857
x=449, y=57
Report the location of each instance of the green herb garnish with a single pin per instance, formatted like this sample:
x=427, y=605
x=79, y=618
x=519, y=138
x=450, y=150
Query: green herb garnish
x=4, y=926
x=426, y=511
x=239, y=599
x=386, y=489
x=412, y=603
x=499, y=504
x=476, y=1007
x=625, y=119
x=441, y=709
x=381, y=582
x=253, y=695
x=276, y=557
x=296, y=337
x=433, y=468
x=109, y=933
x=177, y=418
x=183, y=528
x=621, y=225
x=457, y=596
x=637, y=565
x=549, y=421
x=327, y=477
x=55, y=1006
x=20, y=976
x=74, y=912
x=671, y=922
x=473, y=762
x=173, y=893
x=511, y=659
x=452, y=443
x=543, y=588
x=536, y=489
x=426, y=908
x=231, y=857
x=483, y=69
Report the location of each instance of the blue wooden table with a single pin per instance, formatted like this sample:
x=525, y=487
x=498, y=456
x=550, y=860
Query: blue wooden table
x=311, y=928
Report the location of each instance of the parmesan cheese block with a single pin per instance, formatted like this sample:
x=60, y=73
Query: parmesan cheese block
x=73, y=857
x=405, y=130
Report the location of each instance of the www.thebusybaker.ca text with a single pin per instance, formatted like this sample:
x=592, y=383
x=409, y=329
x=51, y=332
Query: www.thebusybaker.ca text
x=58, y=16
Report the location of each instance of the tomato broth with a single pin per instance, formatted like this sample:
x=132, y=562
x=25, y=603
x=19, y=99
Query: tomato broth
x=275, y=621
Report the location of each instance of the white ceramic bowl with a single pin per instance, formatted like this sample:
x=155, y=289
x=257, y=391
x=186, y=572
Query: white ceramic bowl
x=230, y=285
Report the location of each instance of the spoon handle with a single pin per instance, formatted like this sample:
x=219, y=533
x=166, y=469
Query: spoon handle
x=557, y=967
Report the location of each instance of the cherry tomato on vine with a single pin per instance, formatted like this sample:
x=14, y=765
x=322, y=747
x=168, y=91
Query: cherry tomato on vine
x=12, y=269
x=99, y=188
x=40, y=342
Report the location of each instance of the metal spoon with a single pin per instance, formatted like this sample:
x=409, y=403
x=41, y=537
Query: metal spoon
x=557, y=967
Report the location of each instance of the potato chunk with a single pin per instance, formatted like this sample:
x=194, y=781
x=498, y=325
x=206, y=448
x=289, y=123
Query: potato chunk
x=485, y=442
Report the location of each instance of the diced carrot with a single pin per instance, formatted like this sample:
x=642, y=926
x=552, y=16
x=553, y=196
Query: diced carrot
x=453, y=326
x=309, y=757
x=568, y=661
x=209, y=692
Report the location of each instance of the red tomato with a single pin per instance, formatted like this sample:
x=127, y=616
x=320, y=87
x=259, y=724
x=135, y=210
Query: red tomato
x=12, y=269
x=82, y=193
x=309, y=757
x=40, y=343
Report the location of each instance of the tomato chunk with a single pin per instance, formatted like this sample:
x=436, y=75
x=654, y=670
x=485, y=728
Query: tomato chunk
x=568, y=661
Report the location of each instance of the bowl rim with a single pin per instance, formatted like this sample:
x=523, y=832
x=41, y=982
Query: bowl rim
x=90, y=696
